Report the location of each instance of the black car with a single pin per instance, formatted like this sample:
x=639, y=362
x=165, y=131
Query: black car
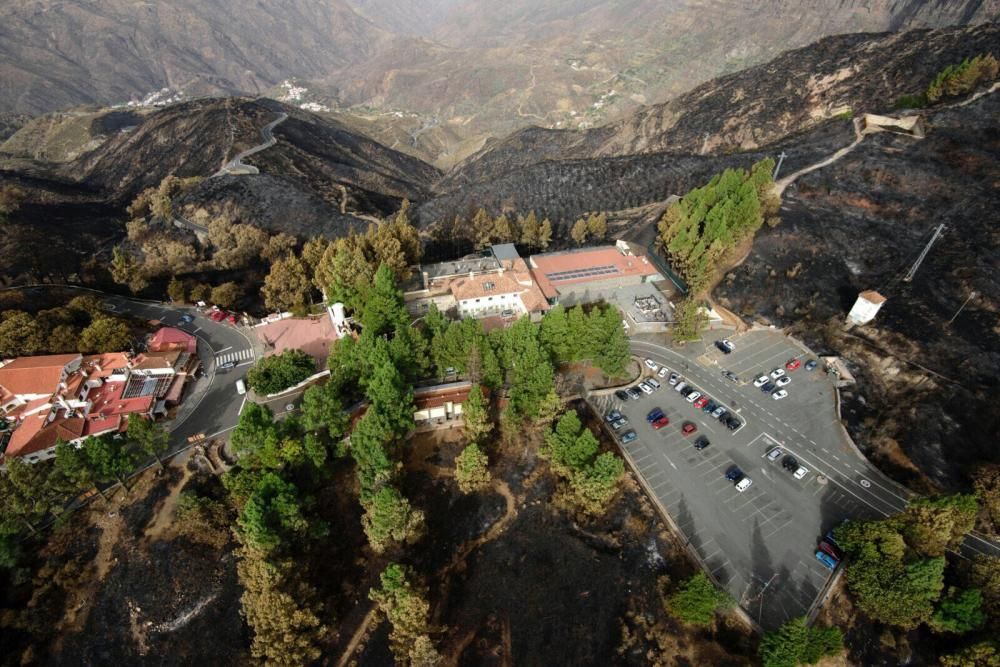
x=621, y=395
x=686, y=391
x=724, y=416
x=701, y=442
x=732, y=423
x=789, y=463
x=710, y=407
x=768, y=387
x=734, y=474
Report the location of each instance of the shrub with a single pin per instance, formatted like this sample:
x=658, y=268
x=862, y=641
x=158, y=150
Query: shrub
x=697, y=600
x=281, y=371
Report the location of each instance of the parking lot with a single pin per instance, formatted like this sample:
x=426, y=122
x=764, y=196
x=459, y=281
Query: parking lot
x=759, y=543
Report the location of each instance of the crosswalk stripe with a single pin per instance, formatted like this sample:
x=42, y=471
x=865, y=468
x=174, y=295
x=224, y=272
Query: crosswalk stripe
x=238, y=355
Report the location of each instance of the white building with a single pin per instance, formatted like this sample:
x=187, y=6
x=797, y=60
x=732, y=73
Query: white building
x=865, y=308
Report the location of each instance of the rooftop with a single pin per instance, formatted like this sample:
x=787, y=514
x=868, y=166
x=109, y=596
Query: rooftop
x=312, y=335
x=556, y=269
x=34, y=375
x=35, y=435
x=170, y=338
x=872, y=296
x=481, y=263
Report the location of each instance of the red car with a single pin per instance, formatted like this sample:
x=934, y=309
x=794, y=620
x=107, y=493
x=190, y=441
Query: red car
x=231, y=318
x=793, y=364
x=217, y=315
x=701, y=402
x=660, y=422
x=830, y=550
x=688, y=428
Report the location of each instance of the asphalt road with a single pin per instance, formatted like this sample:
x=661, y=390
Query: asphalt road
x=211, y=405
x=758, y=544
x=236, y=164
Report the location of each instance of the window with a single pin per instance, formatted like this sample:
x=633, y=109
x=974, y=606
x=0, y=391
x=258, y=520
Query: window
x=489, y=286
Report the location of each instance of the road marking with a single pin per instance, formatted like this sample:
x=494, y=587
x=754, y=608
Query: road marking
x=240, y=411
x=196, y=330
x=224, y=349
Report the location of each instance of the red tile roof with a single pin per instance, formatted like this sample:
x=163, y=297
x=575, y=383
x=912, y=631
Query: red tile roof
x=107, y=401
x=553, y=270
x=34, y=435
x=169, y=338
x=156, y=360
x=34, y=375
x=312, y=335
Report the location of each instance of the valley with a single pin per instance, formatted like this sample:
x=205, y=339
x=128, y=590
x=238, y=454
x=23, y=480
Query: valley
x=434, y=304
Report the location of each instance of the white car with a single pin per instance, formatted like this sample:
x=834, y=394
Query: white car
x=693, y=396
x=646, y=389
x=783, y=380
x=761, y=381
x=680, y=386
x=780, y=394
x=663, y=372
x=800, y=473
x=777, y=373
x=726, y=343
x=652, y=365
x=653, y=383
x=743, y=484
x=774, y=454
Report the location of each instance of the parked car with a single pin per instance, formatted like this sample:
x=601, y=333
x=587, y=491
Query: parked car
x=687, y=391
x=241, y=388
x=732, y=423
x=652, y=365
x=792, y=364
x=217, y=315
x=618, y=424
x=826, y=560
x=777, y=373
x=621, y=395
x=674, y=379
x=612, y=416
x=783, y=380
x=718, y=412
x=653, y=383
x=645, y=388
x=743, y=484
x=831, y=550
x=187, y=319
x=693, y=396
x=800, y=472
x=701, y=442
x=811, y=365
x=768, y=388
x=729, y=375
x=634, y=392
x=725, y=345
x=663, y=372
x=709, y=407
x=628, y=436
x=228, y=366
x=774, y=454
x=760, y=381
x=654, y=414
x=734, y=474
x=780, y=394
x=830, y=538
x=722, y=416
x=688, y=428
x=789, y=463
x=701, y=402
x=660, y=422
x=680, y=386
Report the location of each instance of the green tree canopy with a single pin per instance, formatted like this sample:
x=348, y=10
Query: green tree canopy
x=272, y=514
x=105, y=334
x=697, y=600
x=390, y=519
x=278, y=372
x=796, y=643
x=471, y=469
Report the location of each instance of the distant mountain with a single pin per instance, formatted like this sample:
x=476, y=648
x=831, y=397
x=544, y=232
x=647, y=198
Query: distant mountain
x=470, y=68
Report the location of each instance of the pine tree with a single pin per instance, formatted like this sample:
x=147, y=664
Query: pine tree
x=471, y=469
x=579, y=231
x=545, y=234
x=476, y=416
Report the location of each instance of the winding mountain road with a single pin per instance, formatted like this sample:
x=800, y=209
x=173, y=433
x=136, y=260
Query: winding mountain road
x=236, y=166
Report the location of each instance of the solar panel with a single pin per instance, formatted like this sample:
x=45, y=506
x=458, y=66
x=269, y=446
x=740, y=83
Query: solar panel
x=589, y=272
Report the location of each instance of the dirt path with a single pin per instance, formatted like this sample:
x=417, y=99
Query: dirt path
x=781, y=184
x=162, y=520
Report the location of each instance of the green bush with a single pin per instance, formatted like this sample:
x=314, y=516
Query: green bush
x=962, y=78
x=795, y=643
x=281, y=371
x=697, y=600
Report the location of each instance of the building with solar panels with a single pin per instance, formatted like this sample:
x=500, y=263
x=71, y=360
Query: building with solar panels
x=588, y=274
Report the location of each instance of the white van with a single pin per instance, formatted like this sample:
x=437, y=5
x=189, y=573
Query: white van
x=240, y=387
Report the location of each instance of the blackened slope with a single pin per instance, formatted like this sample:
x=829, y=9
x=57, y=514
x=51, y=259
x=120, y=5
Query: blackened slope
x=858, y=224
x=754, y=107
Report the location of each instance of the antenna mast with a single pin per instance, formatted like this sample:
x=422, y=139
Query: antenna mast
x=927, y=248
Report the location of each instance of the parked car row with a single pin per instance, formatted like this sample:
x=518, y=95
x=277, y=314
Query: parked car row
x=789, y=463
x=829, y=552
x=740, y=480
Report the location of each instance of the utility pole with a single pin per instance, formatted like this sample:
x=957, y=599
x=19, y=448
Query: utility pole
x=781, y=158
x=961, y=308
x=927, y=248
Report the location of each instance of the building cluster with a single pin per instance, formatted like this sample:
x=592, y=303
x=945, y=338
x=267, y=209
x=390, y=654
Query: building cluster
x=56, y=398
x=498, y=284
